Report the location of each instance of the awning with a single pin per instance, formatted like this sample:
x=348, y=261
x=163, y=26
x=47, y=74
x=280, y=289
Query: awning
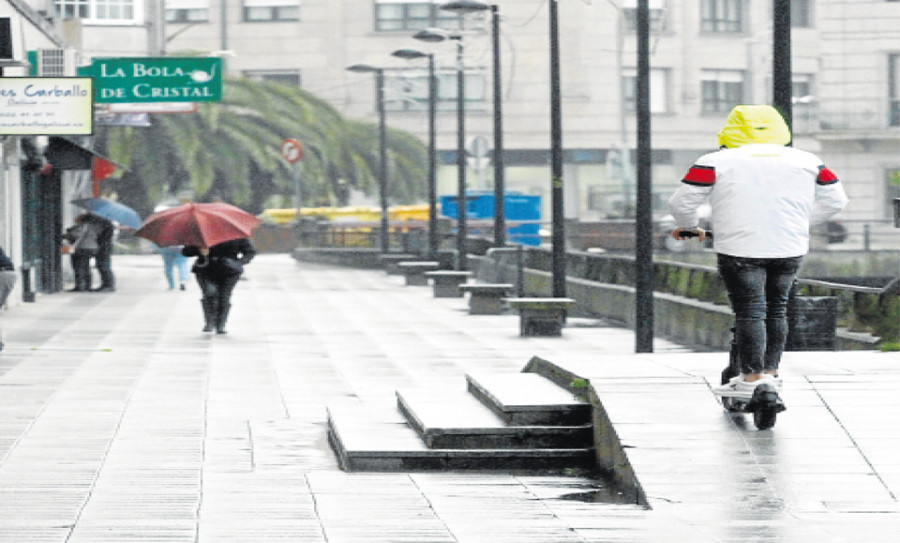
x=67, y=154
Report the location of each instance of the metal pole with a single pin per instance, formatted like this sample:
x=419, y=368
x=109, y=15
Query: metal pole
x=499, y=174
x=644, y=216
x=223, y=31
x=382, y=171
x=558, y=236
x=433, y=241
x=461, y=227
x=781, y=60
x=298, y=184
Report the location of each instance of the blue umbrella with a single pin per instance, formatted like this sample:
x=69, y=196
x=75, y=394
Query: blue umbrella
x=113, y=211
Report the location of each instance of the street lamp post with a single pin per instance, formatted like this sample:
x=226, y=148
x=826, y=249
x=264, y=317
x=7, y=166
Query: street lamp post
x=463, y=7
x=643, y=257
x=437, y=35
x=382, y=151
x=558, y=235
x=781, y=60
x=411, y=54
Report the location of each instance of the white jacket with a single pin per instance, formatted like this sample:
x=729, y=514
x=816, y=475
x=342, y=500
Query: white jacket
x=763, y=198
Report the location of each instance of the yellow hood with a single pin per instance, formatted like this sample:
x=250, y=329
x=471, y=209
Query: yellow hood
x=754, y=124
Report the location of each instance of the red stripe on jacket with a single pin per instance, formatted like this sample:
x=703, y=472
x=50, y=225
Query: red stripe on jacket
x=826, y=176
x=700, y=175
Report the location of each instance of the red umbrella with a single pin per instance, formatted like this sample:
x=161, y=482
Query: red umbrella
x=203, y=225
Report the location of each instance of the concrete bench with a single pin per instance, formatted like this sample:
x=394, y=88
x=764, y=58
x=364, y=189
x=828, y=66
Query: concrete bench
x=447, y=282
x=486, y=298
x=414, y=272
x=541, y=316
x=391, y=261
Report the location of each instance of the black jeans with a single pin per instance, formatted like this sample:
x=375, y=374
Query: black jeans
x=759, y=289
x=103, y=263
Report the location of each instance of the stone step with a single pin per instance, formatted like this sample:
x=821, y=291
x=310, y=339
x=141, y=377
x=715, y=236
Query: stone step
x=528, y=399
x=380, y=440
x=458, y=420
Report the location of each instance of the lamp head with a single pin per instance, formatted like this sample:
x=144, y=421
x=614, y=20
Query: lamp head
x=409, y=54
x=432, y=35
x=362, y=68
x=463, y=7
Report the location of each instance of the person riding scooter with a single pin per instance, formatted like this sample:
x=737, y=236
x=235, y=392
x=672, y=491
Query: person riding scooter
x=764, y=195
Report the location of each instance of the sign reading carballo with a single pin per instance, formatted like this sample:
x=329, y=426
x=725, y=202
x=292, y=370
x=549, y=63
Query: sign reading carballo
x=46, y=106
x=162, y=79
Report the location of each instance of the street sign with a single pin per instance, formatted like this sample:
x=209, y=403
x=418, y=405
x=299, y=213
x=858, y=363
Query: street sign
x=162, y=79
x=478, y=153
x=291, y=150
x=46, y=106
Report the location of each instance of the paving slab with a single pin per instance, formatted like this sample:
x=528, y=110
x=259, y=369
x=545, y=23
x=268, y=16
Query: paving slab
x=121, y=421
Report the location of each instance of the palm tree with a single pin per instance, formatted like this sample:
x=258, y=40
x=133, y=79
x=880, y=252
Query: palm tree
x=231, y=150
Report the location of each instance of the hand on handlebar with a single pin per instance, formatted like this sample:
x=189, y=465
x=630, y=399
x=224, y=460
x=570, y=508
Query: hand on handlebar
x=682, y=234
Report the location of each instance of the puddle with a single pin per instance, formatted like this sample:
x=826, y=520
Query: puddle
x=603, y=495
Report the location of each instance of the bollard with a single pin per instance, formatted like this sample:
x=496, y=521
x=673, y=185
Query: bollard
x=866, y=238
x=896, y=212
x=27, y=290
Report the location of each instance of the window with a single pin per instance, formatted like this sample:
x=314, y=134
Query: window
x=271, y=10
x=657, y=15
x=396, y=15
x=801, y=15
x=801, y=87
x=285, y=77
x=894, y=89
x=721, y=90
x=726, y=16
x=100, y=11
x=187, y=11
x=409, y=91
x=659, y=92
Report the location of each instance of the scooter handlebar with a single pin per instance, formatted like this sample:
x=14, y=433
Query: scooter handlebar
x=688, y=234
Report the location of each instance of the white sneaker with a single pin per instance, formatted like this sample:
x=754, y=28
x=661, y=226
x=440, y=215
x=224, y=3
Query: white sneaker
x=738, y=388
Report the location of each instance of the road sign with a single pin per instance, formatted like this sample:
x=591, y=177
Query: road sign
x=291, y=150
x=162, y=79
x=478, y=151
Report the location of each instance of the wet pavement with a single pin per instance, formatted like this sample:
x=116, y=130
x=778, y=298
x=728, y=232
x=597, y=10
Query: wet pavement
x=120, y=421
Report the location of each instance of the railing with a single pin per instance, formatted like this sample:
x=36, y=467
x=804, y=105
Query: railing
x=867, y=309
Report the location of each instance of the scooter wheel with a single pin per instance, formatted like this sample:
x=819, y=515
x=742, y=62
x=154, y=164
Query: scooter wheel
x=765, y=406
x=764, y=417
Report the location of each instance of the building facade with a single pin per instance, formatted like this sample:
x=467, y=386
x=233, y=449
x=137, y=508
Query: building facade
x=706, y=56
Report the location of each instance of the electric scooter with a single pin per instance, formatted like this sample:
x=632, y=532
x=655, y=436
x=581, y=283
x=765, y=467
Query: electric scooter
x=765, y=404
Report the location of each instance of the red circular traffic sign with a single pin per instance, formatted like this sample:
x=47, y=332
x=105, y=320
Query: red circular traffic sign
x=291, y=150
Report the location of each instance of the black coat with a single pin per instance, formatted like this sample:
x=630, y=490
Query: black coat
x=224, y=260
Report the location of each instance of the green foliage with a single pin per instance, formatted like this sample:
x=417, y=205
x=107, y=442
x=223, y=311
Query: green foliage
x=232, y=150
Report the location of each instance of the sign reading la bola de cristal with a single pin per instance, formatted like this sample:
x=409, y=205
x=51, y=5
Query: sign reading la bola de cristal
x=157, y=79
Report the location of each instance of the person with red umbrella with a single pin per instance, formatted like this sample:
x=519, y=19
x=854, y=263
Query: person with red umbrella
x=218, y=270
x=218, y=235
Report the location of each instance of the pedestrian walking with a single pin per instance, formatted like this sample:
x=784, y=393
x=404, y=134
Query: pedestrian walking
x=218, y=269
x=764, y=196
x=84, y=239
x=174, y=261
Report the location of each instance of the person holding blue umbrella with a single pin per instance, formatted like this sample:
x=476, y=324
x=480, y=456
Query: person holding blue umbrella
x=103, y=213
